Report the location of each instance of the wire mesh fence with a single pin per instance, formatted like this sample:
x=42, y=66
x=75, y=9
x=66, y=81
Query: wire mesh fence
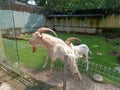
x=18, y=56
x=111, y=78
x=32, y=64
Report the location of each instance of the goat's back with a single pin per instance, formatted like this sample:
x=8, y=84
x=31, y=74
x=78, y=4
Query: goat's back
x=81, y=49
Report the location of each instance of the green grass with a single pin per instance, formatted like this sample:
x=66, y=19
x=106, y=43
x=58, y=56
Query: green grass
x=97, y=45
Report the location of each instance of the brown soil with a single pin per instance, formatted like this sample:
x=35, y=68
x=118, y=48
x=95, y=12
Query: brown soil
x=73, y=83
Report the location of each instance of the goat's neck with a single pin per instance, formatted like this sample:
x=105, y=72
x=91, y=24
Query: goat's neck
x=71, y=46
x=48, y=43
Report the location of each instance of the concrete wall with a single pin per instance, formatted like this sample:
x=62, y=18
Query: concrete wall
x=29, y=22
x=25, y=21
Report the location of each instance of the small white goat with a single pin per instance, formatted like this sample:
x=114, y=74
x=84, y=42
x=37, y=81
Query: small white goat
x=55, y=47
x=81, y=50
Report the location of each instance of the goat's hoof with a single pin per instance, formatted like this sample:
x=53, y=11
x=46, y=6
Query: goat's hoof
x=49, y=74
x=86, y=70
x=80, y=78
x=43, y=67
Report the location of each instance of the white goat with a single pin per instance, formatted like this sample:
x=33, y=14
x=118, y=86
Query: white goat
x=55, y=47
x=81, y=50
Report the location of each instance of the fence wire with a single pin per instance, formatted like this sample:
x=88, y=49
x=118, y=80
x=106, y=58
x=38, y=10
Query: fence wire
x=62, y=77
x=111, y=78
x=32, y=63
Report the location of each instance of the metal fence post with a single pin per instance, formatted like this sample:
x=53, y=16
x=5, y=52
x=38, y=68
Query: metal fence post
x=65, y=72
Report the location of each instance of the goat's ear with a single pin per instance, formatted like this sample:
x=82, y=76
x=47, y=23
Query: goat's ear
x=39, y=35
x=68, y=43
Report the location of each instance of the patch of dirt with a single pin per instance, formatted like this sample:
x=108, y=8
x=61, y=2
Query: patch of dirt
x=114, y=52
x=73, y=83
x=111, y=35
x=118, y=56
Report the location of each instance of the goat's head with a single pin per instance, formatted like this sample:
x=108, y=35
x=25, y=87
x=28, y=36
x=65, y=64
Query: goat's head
x=69, y=40
x=36, y=38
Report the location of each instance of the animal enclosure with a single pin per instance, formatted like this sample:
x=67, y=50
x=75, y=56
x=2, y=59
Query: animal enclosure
x=16, y=54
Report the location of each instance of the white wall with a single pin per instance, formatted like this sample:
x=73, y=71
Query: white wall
x=24, y=20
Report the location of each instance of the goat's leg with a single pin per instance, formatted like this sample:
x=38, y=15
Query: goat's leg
x=79, y=75
x=45, y=62
x=51, y=67
x=86, y=59
x=76, y=70
x=87, y=63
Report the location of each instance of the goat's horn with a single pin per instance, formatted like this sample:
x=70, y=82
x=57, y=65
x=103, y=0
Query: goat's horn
x=72, y=38
x=43, y=29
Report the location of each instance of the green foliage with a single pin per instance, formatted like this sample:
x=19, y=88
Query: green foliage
x=56, y=5
x=73, y=5
x=114, y=4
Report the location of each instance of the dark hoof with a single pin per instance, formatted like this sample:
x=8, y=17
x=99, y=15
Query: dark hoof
x=49, y=74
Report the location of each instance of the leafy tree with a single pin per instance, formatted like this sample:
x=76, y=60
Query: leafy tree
x=73, y=5
x=114, y=4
